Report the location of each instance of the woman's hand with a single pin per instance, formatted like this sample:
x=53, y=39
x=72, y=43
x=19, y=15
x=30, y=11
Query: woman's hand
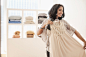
x=84, y=45
x=48, y=22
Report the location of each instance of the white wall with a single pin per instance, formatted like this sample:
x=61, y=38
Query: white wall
x=45, y=4
x=75, y=14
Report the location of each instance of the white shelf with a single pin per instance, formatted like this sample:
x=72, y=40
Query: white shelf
x=22, y=24
x=14, y=24
x=29, y=24
x=26, y=9
x=25, y=38
x=20, y=38
x=16, y=44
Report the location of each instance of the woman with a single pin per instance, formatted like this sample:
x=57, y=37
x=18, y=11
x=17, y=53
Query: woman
x=62, y=44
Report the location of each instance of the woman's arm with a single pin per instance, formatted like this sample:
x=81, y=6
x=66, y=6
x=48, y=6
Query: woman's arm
x=40, y=30
x=79, y=36
x=42, y=26
x=45, y=22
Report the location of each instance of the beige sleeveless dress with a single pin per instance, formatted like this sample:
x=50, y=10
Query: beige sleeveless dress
x=62, y=44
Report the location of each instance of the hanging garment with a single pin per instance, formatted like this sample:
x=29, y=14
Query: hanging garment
x=62, y=44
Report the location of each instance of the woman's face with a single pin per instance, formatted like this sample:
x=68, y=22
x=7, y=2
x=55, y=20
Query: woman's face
x=60, y=11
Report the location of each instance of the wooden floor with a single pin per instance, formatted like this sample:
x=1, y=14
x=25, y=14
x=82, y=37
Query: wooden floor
x=3, y=55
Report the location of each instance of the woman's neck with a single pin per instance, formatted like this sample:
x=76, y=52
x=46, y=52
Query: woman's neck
x=56, y=17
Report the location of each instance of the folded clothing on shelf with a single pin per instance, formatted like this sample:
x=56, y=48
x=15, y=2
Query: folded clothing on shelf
x=16, y=34
x=15, y=19
x=42, y=15
x=29, y=20
x=30, y=34
x=41, y=20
